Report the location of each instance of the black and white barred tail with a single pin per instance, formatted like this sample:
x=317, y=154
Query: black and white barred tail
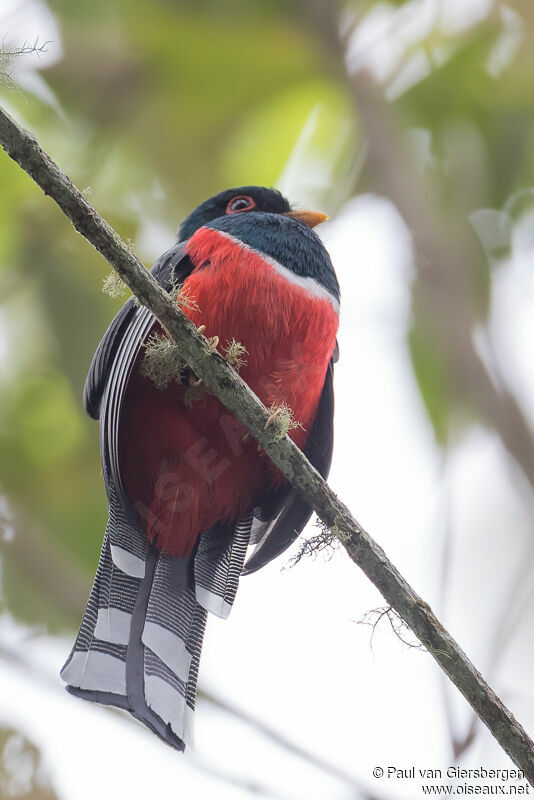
x=140, y=639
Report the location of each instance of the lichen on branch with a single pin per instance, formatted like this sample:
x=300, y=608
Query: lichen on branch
x=114, y=286
x=162, y=362
x=182, y=296
x=281, y=421
x=234, y=353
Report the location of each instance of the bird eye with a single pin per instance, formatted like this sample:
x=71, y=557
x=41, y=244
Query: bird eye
x=241, y=203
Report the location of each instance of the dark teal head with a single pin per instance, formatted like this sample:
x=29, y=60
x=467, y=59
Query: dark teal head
x=240, y=200
x=262, y=219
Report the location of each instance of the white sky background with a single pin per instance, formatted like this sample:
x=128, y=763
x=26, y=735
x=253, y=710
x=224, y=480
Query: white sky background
x=292, y=653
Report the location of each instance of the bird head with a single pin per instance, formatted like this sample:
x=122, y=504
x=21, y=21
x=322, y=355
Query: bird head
x=261, y=220
x=245, y=200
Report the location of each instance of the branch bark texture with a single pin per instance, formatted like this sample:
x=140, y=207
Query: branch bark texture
x=221, y=379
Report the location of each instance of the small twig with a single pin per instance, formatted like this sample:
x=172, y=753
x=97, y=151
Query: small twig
x=397, y=624
x=8, y=54
x=325, y=543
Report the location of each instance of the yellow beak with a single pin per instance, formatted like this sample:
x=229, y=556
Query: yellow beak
x=309, y=218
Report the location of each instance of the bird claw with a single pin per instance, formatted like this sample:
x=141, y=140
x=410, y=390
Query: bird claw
x=272, y=418
x=214, y=341
x=201, y=329
x=194, y=381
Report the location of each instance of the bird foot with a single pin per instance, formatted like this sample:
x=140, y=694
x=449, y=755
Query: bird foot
x=201, y=329
x=214, y=341
x=272, y=418
x=194, y=381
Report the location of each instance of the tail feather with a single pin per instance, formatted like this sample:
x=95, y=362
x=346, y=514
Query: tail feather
x=218, y=563
x=141, y=635
x=129, y=544
x=173, y=621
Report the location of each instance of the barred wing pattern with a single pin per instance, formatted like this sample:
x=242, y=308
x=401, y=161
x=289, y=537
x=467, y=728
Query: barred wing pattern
x=141, y=635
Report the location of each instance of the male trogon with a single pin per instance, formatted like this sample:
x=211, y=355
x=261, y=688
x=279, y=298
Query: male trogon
x=187, y=489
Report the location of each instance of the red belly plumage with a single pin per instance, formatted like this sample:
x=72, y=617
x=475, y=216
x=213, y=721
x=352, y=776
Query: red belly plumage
x=186, y=468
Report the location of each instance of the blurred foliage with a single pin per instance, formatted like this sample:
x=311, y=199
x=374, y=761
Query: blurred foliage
x=463, y=99
x=22, y=773
x=152, y=107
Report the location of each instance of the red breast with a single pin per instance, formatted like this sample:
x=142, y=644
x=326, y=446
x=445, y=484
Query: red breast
x=186, y=465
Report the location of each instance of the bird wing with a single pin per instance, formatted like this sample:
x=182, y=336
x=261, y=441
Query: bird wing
x=172, y=265
x=282, y=516
x=114, y=359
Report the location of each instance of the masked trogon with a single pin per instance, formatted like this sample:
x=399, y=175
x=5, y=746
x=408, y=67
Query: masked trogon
x=188, y=491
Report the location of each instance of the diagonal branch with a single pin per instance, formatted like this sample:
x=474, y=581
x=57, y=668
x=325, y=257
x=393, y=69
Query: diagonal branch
x=221, y=379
